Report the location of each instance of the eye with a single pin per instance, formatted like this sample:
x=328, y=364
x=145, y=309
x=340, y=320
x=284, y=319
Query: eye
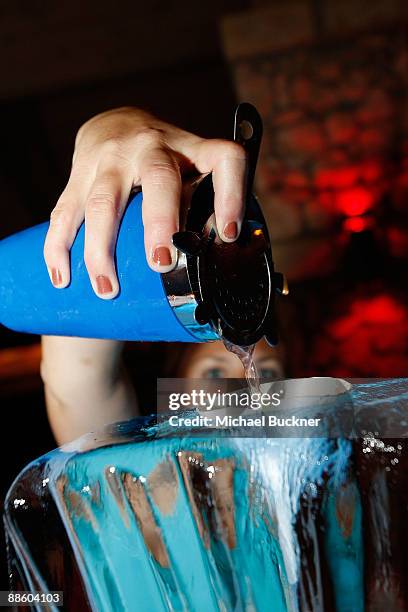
x=270, y=373
x=213, y=373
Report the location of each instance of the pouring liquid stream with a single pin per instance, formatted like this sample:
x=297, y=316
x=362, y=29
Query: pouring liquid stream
x=246, y=355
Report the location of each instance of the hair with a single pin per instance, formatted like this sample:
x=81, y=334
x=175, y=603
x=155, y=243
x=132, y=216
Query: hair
x=174, y=358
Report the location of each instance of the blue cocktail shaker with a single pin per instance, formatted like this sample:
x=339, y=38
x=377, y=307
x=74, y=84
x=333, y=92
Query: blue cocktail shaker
x=216, y=290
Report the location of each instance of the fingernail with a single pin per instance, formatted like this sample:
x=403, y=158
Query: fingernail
x=56, y=277
x=231, y=230
x=103, y=285
x=162, y=256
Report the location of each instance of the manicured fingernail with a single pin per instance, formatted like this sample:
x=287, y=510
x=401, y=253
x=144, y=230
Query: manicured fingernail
x=162, y=256
x=56, y=277
x=231, y=230
x=103, y=285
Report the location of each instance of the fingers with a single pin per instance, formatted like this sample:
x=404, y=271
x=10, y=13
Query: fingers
x=227, y=161
x=161, y=184
x=126, y=148
x=104, y=208
x=101, y=203
x=65, y=220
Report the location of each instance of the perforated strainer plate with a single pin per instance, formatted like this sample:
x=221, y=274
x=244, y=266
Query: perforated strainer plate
x=234, y=284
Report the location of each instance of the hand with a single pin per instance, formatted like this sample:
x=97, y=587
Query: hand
x=126, y=148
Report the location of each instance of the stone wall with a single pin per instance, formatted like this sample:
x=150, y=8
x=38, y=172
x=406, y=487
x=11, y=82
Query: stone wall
x=330, y=83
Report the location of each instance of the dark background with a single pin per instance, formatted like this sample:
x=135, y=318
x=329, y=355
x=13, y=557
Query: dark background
x=61, y=63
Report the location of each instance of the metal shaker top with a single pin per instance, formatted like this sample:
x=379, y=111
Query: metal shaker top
x=227, y=288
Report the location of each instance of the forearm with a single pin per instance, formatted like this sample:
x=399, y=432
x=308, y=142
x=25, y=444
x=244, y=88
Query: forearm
x=86, y=386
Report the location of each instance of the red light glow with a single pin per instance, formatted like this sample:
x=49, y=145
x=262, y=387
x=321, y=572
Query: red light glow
x=379, y=310
x=369, y=339
x=354, y=202
x=355, y=224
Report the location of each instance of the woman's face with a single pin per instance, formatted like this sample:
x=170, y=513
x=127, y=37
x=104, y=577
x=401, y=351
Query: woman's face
x=212, y=360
